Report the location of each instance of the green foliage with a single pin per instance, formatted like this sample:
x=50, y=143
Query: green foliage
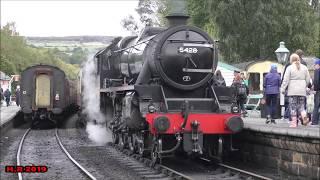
x=7, y=66
x=253, y=29
x=246, y=29
x=151, y=13
x=16, y=55
x=78, y=56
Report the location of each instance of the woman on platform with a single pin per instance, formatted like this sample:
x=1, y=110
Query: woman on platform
x=271, y=85
x=296, y=78
x=218, y=79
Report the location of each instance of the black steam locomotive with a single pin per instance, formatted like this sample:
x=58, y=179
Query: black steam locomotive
x=156, y=92
x=46, y=93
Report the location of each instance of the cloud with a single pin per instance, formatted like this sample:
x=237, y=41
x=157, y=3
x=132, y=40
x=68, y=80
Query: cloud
x=65, y=18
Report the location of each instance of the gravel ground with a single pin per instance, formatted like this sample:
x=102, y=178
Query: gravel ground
x=9, y=142
x=41, y=148
x=94, y=157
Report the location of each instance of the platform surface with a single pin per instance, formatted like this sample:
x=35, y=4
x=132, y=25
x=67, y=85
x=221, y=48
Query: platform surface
x=256, y=123
x=7, y=113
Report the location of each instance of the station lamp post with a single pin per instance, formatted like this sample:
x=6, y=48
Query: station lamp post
x=282, y=53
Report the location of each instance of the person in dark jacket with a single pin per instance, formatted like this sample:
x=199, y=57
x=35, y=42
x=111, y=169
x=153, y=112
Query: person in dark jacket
x=242, y=92
x=18, y=96
x=1, y=94
x=316, y=87
x=301, y=54
x=7, y=95
x=218, y=79
x=235, y=73
x=271, y=85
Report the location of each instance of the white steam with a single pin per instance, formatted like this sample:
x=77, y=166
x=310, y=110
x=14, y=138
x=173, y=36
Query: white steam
x=96, y=123
x=98, y=133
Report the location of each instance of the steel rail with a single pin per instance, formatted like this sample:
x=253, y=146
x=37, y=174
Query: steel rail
x=19, y=151
x=244, y=172
x=176, y=172
x=71, y=158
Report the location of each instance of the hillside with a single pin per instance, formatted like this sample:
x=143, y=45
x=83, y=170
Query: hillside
x=71, y=49
x=16, y=54
x=84, y=39
x=68, y=43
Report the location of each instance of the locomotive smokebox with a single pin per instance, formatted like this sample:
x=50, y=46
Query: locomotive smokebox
x=178, y=14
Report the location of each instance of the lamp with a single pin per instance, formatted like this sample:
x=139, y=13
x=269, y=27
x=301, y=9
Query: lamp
x=282, y=53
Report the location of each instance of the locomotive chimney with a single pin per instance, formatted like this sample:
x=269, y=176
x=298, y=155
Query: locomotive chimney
x=178, y=13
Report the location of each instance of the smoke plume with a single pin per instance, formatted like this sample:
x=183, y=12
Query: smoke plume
x=96, y=123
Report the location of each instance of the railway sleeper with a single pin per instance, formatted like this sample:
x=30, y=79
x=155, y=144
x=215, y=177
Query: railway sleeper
x=156, y=176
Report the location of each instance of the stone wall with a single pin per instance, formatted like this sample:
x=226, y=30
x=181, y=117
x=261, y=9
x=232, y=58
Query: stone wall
x=292, y=157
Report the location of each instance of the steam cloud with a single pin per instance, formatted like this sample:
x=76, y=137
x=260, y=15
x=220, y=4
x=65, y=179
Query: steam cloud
x=96, y=124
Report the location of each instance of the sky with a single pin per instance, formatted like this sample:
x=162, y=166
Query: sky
x=68, y=18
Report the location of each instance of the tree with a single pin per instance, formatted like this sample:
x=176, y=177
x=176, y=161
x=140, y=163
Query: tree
x=10, y=29
x=252, y=29
x=6, y=65
x=16, y=55
x=130, y=24
x=78, y=56
x=151, y=13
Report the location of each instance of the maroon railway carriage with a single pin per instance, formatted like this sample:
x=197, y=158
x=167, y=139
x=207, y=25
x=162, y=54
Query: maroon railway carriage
x=46, y=92
x=157, y=93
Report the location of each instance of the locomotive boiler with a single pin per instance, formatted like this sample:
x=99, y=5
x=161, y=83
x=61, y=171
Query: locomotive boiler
x=157, y=94
x=46, y=93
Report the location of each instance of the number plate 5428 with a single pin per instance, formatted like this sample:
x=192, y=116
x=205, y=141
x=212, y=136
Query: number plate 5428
x=187, y=50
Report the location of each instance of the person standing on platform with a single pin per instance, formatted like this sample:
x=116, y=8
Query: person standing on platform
x=235, y=73
x=242, y=92
x=18, y=97
x=218, y=79
x=296, y=79
x=300, y=53
x=316, y=88
x=271, y=85
x=245, y=80
x=7, y=95
x=1, y=96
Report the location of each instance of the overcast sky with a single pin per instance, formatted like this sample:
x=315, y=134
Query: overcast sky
x=65, y=18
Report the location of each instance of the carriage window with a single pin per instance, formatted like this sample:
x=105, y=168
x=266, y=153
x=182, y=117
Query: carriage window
x=254, y=82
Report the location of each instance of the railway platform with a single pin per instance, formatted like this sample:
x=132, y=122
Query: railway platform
x=292, y=152
x=7, y=113
x=254, y=123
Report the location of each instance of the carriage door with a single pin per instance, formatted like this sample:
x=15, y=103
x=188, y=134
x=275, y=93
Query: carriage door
x=43, y=90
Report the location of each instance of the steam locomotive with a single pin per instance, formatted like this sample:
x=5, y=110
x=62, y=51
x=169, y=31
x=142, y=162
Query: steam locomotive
x=156, y=91
x=46, y=93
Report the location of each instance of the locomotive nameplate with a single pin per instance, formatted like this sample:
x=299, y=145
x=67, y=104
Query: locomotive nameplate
x=197, y=70
x=197, y=45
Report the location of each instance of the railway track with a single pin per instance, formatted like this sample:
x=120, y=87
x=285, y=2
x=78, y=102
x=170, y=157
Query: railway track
x=51, y=152
x=181, y=168
x=232, y=171
x=177, y=168
x=142, y=166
